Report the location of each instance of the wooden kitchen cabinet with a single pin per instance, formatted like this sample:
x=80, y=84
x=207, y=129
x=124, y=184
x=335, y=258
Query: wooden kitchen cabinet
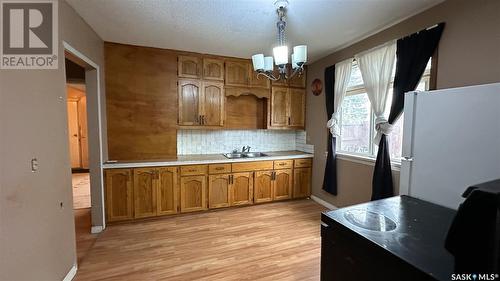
x=145, y=185
x=213, y=69
x=201, y=103
x=218, y=191
x=237, y=73
x=189, y=102
x=299, y=81
x=212, y=105
x=263, y=186
x=301, y=182
x=167, y=191
x=282, y=184
x=287, y=107
x=258, y=82
x=193, y=193
x=189, y=67
x=241, y=189
x=119, y=195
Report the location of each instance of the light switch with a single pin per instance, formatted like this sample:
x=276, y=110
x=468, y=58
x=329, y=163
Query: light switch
x=34, y=165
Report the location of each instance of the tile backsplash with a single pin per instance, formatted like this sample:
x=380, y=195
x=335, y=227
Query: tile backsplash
x=223, y=141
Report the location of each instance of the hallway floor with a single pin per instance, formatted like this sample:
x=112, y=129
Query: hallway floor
x=81, y=190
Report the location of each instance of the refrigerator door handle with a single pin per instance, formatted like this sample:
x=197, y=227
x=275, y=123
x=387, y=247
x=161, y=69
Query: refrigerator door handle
x=407, y=159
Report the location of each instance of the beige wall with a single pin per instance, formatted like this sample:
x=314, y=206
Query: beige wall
x=468, y=55
x=37, y=239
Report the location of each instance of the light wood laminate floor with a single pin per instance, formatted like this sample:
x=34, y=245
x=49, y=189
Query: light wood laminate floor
x=275, y=241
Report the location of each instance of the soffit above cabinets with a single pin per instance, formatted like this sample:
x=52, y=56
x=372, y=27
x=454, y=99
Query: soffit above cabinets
x=239, y=28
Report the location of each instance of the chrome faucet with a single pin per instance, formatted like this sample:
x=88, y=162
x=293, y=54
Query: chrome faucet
x=245, y=149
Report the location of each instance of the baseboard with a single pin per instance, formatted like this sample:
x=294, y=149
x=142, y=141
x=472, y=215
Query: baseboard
x=96, y=229
x=323, y=202
x=71, y=273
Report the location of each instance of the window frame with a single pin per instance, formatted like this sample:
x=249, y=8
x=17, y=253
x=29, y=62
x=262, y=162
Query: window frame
x=370, y=157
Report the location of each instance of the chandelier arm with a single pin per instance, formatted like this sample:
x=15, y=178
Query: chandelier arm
x=269, y=76
x=297, y=71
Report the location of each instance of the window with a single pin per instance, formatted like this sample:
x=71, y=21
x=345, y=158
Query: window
x=357, y=122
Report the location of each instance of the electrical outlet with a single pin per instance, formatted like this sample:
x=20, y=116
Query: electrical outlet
x=34, y=165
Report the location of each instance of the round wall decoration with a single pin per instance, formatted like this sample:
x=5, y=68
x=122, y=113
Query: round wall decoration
x=317, y=87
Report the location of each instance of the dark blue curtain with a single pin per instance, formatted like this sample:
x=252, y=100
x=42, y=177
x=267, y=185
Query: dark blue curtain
x=412, y=54
x=330, y=179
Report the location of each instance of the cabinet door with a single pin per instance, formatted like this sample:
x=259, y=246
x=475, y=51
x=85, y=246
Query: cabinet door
x=144, y=192
x=213, y=104
x=278, y=106
x=189, y=102
x=213, y=69
x=301, y=182
x=282, y=184
x=189, y=67
x=276, y=73
x=193, y=193
x=167, y=191
x=263, y=186
x=296, y=107
x=298, y=81
x=119, y=204
x=241, y=189
x=218, y=191
x=259, y=82
x=237, y=73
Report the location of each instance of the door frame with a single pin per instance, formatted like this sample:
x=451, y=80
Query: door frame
x=100, y=171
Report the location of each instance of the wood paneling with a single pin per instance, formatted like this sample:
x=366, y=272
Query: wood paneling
x=301, y=182
x=193, y=170
x=245, y=112
x=141, y=102
x=218, y=191
x=193, y=193
x=119, y=195
x=282, y=184
x=279, y=241
x=252, y=166
x=219, y=168
x=263, y=186
x=241, y=189
x=279, y=116
x=237, y=73
x=213, y=103
x=213, y=69
x=190, y=107
x=145, y=186
x=296, y=107
x=189, y=67
x=167, y=191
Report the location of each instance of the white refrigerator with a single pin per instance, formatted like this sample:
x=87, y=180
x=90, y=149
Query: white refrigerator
x=451, y=140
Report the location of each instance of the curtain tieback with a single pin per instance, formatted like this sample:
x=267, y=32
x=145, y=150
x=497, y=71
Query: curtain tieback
x=333, y=125
x=382, y=127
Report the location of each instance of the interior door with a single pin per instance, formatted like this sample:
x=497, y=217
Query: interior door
x=282, y=184
x=189, y=102
x=241, y=188
x=145, y=186
x=278, y=106
x=296, y=107
x=82, y=123
x=167, y=191
x=263, y=189
x=218, y=191
x=213, y=104
x=74, y=134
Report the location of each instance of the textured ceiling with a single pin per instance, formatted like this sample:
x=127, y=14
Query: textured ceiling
x=241, y=28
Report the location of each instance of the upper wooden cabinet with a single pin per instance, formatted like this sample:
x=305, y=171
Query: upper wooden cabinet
x=259, y=82
x=119, y=195
x=213, y=69
x=201, y=103
x=287, y=107
x=145, y=186
x=189, y=67
x=298, y=81
x=237, y=73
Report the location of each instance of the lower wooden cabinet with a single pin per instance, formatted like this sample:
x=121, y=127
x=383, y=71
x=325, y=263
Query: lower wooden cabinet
x=193, y=193
x=145, y=187
x=263, y=186
x=282, y=184
x=167, y=191
x=241, y=189
x=119, y=195
x=301, y=182
x=218, y=191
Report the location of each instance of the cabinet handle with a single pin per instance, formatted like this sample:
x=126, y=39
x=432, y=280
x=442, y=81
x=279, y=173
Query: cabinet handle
x=203, y=120
x=281, y=164
x=288, y=120
x=219, y=168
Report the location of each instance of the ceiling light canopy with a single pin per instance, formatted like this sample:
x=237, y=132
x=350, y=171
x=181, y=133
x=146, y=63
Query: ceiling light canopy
x=264, y=65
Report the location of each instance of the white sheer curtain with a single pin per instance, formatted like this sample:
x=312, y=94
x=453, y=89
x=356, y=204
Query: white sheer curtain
x=342, y=76
x=376, y=68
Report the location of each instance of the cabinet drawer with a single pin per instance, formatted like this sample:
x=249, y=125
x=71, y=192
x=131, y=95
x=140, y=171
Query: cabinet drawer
x=252, y=166
x=193, y=170
x=219, y=168
x=303, y=163
x=283, y=164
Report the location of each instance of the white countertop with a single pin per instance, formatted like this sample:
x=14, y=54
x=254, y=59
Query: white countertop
x=204, y=159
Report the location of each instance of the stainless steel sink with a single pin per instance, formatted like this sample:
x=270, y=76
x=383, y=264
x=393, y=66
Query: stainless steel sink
x=235, y=155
